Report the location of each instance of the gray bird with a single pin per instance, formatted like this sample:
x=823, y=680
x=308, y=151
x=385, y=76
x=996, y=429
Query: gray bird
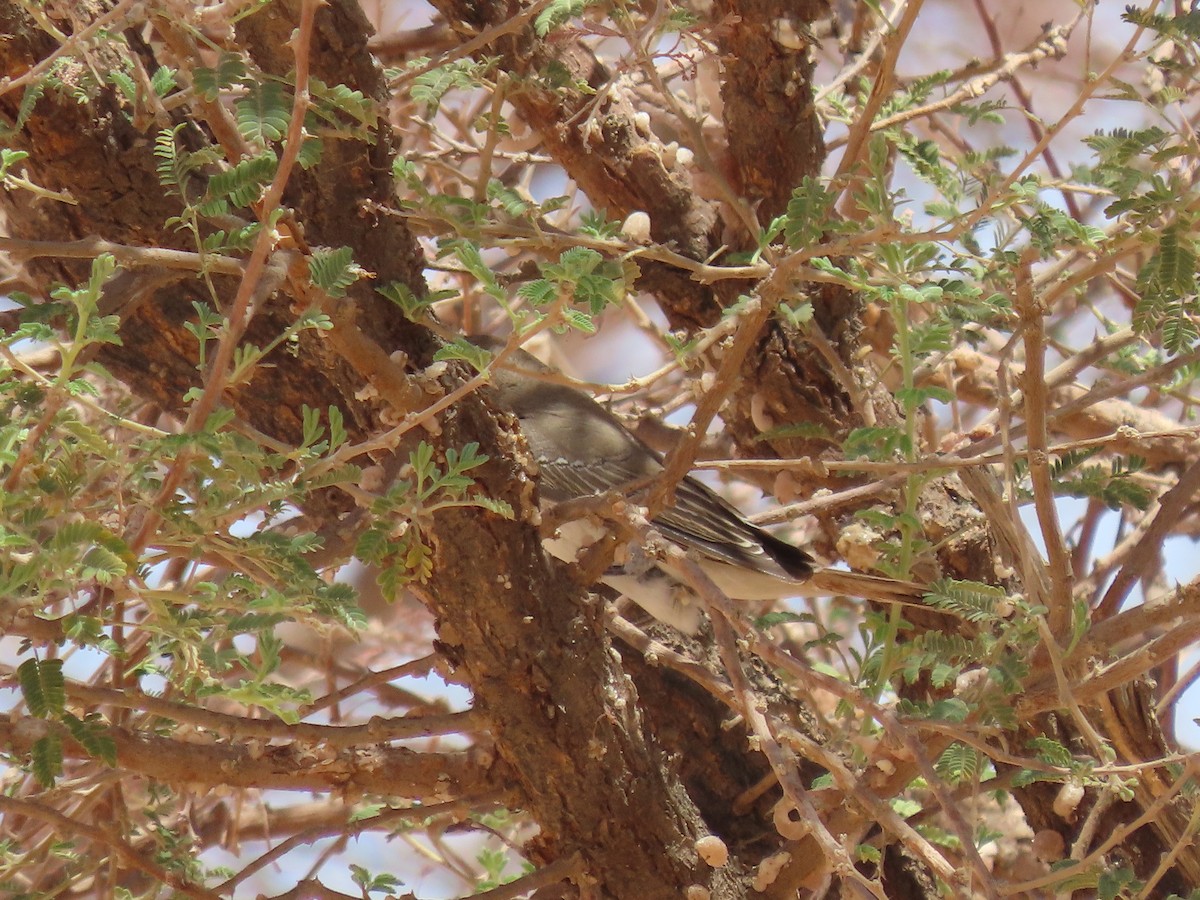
x=582, y=449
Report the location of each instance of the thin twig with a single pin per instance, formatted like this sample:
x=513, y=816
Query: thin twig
x=388, y=819
x=65, y=825
x=377, y=730
x=1060, y=605
x=240, y=309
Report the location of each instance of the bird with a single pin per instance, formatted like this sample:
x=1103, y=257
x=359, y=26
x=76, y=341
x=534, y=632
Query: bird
x=582, y=450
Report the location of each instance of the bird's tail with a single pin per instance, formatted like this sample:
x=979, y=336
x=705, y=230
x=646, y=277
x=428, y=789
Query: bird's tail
x=830, y=582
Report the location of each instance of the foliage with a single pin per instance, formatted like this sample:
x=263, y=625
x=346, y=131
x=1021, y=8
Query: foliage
x=970, y=352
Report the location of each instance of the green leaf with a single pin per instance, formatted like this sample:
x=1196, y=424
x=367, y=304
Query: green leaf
x=797, y=314
x=770, y=620
x=341, y=98
x=876, y=444
x=43, y=687
x=312, y=150
x=162, y=82
x=1183, y=27
x=125, y=84
x=808, y=214
x=47, y=758
x=492, y=505
x=9, y=158
x=333, y=270
x=555, y=14
x=472, y=354
x=32, y=94
x=310, y=428
x=574, y=263
x=1179, y=327
x=959, y=763
x=91, y=733
x=589, y=277
x=510, y=201
x=237, y=239
x=372, y=546
x=86, y=298
x=263, y=113
x=1115, y=483
x=972, y=600
x=102, y=566
x=868, y=854
x=410, y=304
x=594, y=223
x=934, y=337
x=1052, y=752
x=458, y=461
x=911, y=398
x=337, y=428
x=538, y=292
x=241, y=185
x=421, y=460
x=383, y=883
x=949, y=710
x=174, y=166
x=1116, y=883
x=471, y=258
x=430, y=87
x=230, y=70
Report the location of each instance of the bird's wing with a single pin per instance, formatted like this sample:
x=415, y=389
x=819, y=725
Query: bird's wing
x=700, y=519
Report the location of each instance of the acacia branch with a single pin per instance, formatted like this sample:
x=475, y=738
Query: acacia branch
x=65, y=825
x=294, y=766
x=1036, y=454
x=389, y=819
x=377, y=730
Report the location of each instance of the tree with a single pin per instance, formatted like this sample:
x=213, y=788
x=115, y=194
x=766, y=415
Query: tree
x=242, y=254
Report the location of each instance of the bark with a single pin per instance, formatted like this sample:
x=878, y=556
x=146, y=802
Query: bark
x=615, y=760
x=541, y=668
x=294, y=766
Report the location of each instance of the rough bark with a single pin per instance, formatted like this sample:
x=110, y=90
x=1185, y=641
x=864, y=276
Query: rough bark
x=594, y=751
x=540, y=666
